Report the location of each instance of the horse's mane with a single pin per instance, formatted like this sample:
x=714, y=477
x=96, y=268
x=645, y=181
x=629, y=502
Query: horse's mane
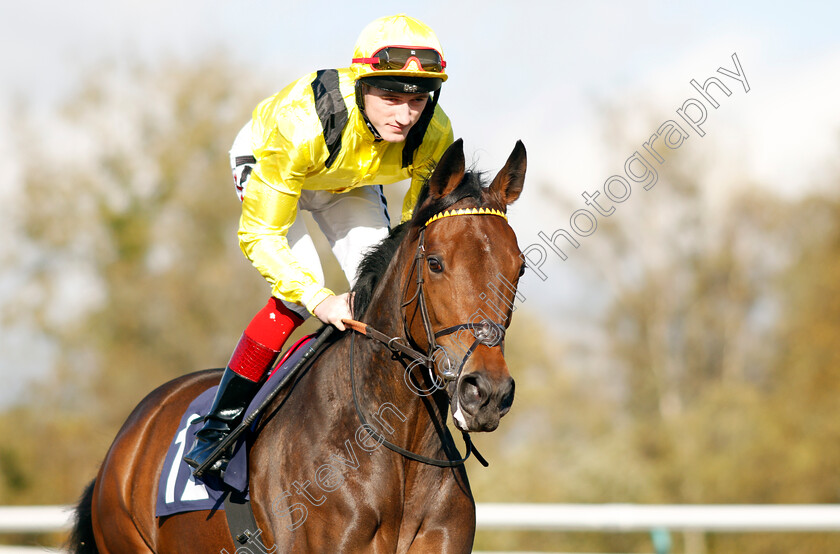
x=376, y=261
x=373, y=267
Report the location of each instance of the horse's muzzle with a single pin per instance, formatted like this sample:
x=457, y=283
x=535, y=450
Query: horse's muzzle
x=480, y=401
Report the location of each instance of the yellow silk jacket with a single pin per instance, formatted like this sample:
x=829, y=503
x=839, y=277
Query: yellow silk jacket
x=299, y=143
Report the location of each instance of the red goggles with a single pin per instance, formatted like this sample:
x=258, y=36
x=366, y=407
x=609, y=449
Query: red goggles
x=396, y=58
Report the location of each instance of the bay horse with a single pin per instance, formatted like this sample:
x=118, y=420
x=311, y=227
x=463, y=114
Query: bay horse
x=318, y=480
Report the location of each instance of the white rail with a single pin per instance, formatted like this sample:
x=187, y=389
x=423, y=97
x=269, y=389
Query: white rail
x=560, y=517
x=35, y=519
x=637, y=517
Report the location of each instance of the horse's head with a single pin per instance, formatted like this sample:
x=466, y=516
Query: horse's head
x=460, y=291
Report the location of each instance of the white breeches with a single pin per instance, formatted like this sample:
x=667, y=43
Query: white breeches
x=352, y=221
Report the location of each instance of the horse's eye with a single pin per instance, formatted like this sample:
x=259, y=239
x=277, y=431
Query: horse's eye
x=435, y=265
x=522, y=270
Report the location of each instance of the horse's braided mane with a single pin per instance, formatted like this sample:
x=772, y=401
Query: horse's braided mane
x=378, y=258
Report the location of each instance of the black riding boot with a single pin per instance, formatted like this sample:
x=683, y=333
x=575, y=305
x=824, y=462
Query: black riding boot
x=228, y=409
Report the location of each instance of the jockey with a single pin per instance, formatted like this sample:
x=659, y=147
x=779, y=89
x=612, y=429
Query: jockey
x=326, y=144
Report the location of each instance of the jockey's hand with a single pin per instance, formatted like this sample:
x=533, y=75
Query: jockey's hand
x=333, y=309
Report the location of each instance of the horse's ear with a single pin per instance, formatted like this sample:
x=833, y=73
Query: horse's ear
x=510, y=180
x=449, y=171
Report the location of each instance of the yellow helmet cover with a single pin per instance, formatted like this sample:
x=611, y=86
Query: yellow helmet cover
x=413, y=45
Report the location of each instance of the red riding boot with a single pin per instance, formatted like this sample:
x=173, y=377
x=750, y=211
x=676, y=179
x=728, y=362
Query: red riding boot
x=249, y=363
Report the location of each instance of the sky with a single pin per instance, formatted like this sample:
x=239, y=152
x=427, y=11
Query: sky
x=539, y=71
x=536, y=71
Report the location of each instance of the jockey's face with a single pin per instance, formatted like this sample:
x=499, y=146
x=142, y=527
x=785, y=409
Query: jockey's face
x=393, y=114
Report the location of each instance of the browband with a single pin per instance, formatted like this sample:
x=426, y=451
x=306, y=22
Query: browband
x=466, y=211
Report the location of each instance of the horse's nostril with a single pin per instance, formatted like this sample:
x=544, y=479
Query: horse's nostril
x=507, y=393
x=471, y=392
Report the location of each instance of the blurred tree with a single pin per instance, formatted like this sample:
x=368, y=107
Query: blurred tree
x=129, y=215
x=721, y=325
x=806, y=377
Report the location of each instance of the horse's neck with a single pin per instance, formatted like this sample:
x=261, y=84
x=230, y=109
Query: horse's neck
x=402, y=415
x=382, y=379
x=384, y=312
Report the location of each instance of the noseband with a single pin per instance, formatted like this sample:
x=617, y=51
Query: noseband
x=486, y=332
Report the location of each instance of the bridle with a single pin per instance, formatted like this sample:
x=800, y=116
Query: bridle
x=486, y=332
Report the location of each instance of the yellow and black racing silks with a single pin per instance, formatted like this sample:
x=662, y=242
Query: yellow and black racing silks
x=312, y=136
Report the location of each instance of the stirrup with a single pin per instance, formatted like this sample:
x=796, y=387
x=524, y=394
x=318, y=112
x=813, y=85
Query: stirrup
x=226, y=412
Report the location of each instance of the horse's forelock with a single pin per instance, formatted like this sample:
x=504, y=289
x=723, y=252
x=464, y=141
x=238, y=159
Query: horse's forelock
x=376, y=261
x=471, y=186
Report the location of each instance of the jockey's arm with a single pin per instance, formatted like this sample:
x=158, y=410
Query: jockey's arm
x=267, y=215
